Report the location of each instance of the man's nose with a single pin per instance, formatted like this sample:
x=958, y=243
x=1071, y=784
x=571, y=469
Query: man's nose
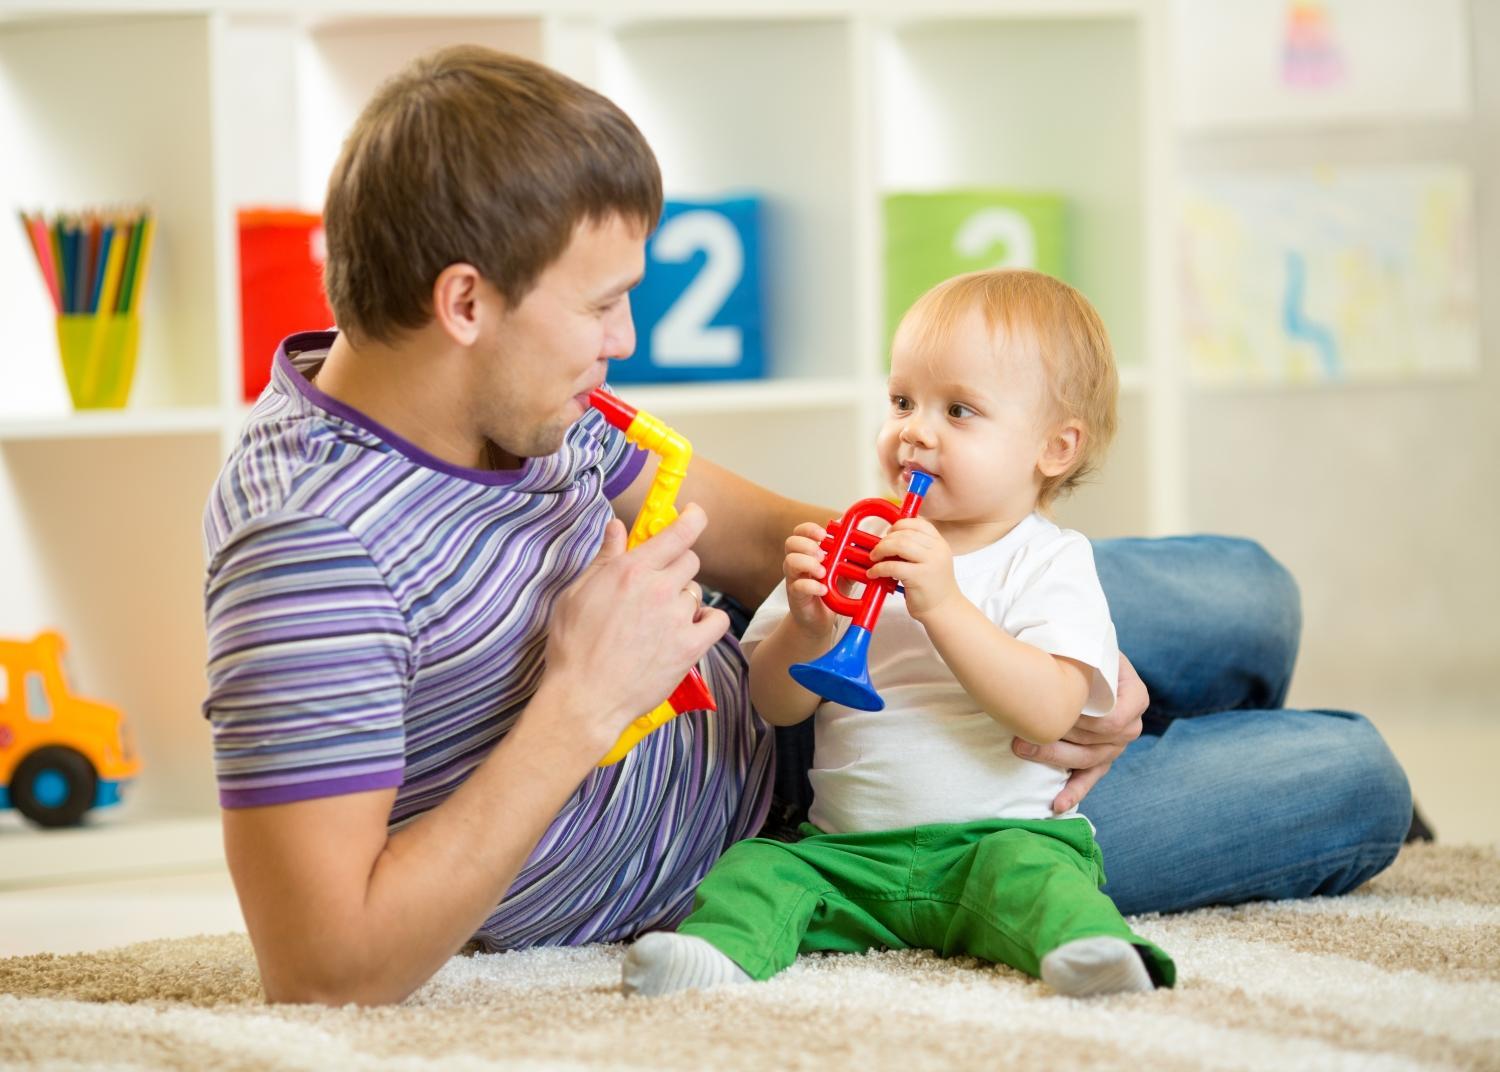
x=619, y=332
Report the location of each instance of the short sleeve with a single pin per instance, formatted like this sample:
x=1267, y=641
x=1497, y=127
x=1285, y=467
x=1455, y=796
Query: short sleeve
x=622, y=459
x=308, y=664
x=1058, y=605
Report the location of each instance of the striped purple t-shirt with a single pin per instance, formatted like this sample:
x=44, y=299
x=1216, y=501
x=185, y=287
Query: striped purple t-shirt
x=378, y=618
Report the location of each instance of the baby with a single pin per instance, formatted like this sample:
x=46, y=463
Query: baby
x=926, y=829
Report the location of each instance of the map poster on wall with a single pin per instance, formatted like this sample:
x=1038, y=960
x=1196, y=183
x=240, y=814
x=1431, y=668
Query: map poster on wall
x=1325, y=276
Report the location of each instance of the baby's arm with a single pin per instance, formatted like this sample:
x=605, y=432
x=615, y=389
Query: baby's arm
x=1033, y=693
x=804, y=634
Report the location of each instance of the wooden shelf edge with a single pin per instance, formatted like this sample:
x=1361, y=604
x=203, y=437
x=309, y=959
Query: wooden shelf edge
x=117, y=847
x=742, y=396
x=113, y=424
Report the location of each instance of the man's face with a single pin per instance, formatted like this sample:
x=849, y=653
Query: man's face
x=548, y=352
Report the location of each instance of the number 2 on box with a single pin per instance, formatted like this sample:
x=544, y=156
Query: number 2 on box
x=683, y=335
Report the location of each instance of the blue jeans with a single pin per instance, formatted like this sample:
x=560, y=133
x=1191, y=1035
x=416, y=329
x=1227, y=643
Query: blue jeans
x=1227, y=797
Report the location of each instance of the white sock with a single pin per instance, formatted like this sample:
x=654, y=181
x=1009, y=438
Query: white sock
x=662, y=963
x=1090, y=966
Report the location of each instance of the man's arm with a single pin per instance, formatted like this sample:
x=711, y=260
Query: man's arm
x=742, y=548
x=341, y=910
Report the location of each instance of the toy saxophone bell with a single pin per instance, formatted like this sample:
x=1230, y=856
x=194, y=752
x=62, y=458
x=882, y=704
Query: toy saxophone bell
x=657, y=512
x=843, y=674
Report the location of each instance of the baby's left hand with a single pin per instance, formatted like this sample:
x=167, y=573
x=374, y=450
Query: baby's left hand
x=915, y=555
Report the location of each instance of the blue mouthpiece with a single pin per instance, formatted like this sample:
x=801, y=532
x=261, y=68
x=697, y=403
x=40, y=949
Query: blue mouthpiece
x=920, y=482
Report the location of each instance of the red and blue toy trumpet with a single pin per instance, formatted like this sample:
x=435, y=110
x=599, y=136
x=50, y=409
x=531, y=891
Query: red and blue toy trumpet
x=843, y=674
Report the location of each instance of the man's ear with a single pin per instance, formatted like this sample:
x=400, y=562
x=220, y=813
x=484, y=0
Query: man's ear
x=456, y=302
x=1060, y=451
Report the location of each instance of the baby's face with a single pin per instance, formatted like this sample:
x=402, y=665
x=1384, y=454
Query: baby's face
x=973, y=414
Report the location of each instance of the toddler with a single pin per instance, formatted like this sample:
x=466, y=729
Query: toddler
x=926, y=829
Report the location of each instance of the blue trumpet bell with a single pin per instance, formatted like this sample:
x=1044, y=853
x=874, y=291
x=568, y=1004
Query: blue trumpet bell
x=843, y=674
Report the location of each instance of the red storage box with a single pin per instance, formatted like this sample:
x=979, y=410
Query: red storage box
x=281, y=286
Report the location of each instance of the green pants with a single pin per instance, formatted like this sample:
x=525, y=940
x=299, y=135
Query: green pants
x=1004, y=890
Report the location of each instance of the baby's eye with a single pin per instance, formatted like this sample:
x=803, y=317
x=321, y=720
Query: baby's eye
x=958, y=411
x=900, y=403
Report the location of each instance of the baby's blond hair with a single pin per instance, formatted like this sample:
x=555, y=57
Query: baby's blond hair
x=1048, y=318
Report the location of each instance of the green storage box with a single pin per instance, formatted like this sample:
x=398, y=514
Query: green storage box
x=932, y=236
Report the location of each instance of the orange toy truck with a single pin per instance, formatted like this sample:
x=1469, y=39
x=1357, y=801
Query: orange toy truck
x=60, y=754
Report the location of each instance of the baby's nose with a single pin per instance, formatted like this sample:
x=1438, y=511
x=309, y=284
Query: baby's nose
x=916, y=432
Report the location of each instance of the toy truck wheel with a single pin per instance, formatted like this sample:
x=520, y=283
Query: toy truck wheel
x=54, y=787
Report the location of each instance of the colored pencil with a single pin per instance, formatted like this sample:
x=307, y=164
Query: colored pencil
x=41, y=246
x=93, y=240
x=143, y=262
x=47, y=256
x=124, y=238
x=69, y=252
x=110, y=275
x=96, y=290
x=57, y=261
x=80, y=259
x=92, y=263
x=132, y=262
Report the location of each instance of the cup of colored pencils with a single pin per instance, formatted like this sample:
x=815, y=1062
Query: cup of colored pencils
x=95, y=266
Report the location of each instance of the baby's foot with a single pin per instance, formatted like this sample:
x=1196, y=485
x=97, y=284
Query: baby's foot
x=1091, y=966
x=662, y=963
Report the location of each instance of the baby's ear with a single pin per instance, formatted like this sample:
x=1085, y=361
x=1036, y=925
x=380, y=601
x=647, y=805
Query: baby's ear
x=1062, y=449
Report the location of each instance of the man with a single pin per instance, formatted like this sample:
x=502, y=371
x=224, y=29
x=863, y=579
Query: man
x=424, y=630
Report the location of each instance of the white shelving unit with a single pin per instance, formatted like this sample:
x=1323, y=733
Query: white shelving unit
x=819, y=107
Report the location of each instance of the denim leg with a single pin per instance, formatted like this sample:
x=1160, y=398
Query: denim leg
x=1211, y=623
x=1249, y=805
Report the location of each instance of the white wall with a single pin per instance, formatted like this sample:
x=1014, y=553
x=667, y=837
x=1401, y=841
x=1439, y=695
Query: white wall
x=1384, y=500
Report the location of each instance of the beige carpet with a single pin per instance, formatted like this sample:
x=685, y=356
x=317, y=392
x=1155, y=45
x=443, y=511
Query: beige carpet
x=1404, y=974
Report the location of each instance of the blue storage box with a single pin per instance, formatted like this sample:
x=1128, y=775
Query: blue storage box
x=698, y=310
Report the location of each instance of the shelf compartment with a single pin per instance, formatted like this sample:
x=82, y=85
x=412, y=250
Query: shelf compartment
x=1030, y=104
x=786, y=451
x=97, y=112
x=766, y=397
x=103, y=542
x=291, y=88
x=761, y=107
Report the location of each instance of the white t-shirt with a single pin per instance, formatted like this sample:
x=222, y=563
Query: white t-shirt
x=932, y=755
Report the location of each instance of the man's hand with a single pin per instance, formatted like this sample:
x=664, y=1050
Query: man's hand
x=1093, y=744
x=624, y=634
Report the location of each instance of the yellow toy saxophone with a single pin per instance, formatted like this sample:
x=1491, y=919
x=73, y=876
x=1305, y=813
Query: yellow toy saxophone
x=657, y=512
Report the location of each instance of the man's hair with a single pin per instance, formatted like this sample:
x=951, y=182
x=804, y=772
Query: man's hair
x=1030, y=312
x=475, y=156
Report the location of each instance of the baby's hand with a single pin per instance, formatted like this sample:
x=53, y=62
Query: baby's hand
x=804, y=571
x=917, y=557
